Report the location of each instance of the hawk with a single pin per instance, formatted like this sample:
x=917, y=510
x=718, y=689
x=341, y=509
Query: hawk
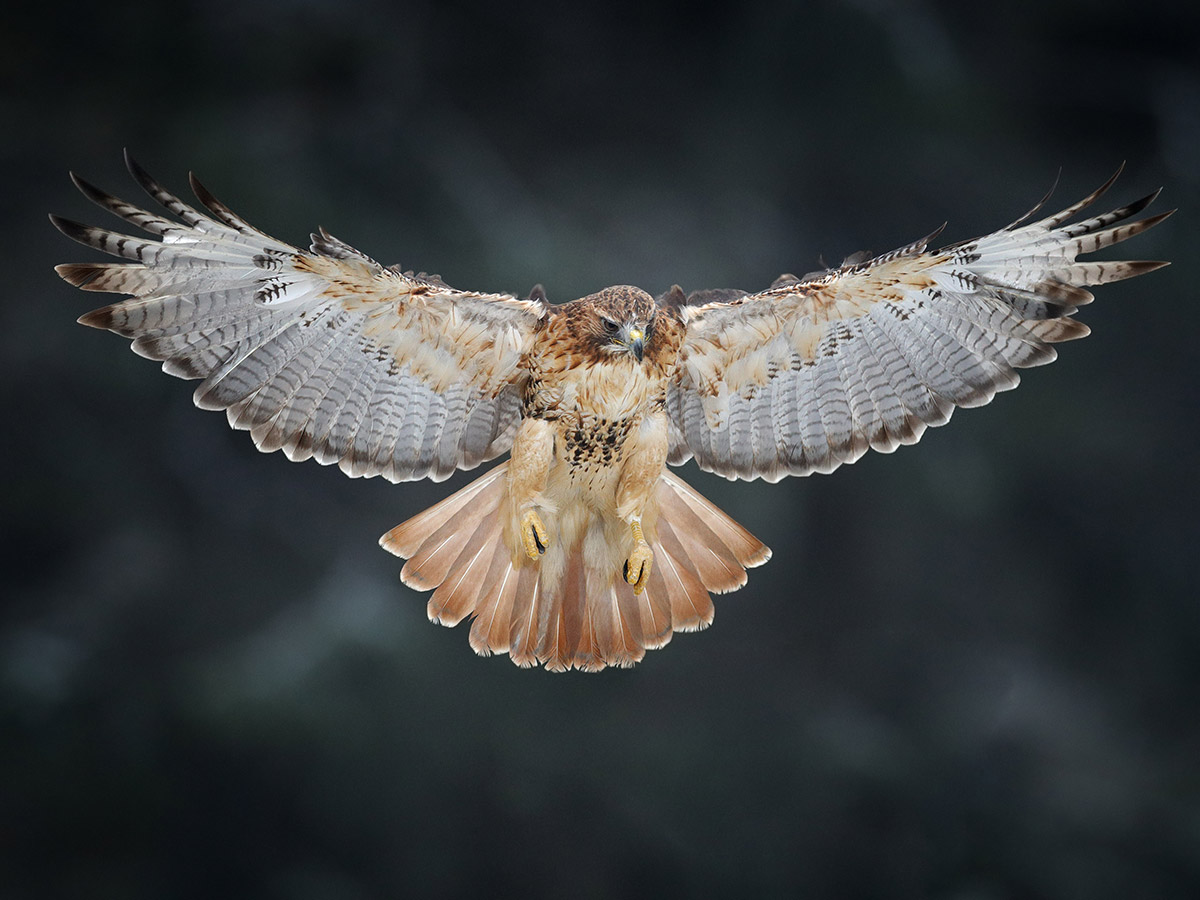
x=583, y=550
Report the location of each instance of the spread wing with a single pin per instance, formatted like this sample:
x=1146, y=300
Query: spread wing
x=323, y=354
x=810, y=373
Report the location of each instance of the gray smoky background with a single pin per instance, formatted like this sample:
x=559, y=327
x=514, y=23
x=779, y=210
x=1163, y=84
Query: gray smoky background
x=971, y=670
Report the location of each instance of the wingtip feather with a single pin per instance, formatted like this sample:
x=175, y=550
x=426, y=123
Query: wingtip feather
x=76, y=231
x=81, y=275
x=63, y=224
x=139, y=174
x=101, y=318
x=1133, y=268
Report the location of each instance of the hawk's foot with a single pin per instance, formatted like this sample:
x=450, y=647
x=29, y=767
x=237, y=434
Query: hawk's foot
x=533, y=534
x=637, y=567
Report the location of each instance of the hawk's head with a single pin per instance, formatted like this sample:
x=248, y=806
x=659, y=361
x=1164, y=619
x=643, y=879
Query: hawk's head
x=617, y=320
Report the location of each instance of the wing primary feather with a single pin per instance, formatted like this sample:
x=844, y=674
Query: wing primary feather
x=1052, y=222
x=162, y=195
x=1045, y=199
x=135, y=215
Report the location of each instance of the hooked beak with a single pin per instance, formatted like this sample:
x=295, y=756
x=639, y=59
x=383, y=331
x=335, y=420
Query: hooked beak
x=635, y=341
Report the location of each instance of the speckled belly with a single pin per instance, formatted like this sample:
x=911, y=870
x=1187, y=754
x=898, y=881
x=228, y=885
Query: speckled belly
x=588, y=454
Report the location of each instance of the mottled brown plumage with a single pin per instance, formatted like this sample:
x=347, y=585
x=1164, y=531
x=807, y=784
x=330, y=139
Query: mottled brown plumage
x=582, y=550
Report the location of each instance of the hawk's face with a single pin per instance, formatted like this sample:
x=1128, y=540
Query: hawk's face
x=618, y=322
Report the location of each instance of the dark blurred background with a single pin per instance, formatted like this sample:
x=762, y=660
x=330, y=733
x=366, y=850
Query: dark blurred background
x=972, y=669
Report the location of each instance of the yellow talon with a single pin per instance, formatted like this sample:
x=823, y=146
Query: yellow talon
x=533, y=534
x=637, y=567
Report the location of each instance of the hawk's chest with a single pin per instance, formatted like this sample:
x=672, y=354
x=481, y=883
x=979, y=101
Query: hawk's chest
x=608, y=389
x=596, y=406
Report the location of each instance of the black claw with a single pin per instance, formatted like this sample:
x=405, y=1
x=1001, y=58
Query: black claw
x=537, y=540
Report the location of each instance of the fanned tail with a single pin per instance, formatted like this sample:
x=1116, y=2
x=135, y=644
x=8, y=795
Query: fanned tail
x=453, y=547
x=572, y=609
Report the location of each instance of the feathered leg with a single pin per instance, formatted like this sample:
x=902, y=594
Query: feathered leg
x=528, y=469
x=640, y=472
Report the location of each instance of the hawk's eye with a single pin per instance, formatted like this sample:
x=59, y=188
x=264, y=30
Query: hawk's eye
x=609, y=325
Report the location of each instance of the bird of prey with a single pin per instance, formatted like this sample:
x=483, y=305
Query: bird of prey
x=583, y=550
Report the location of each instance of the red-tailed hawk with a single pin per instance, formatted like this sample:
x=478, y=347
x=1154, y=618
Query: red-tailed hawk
x=583, y=550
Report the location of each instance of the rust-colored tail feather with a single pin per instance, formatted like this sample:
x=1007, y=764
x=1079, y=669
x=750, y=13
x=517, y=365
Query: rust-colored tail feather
x=429, y=539
x=582, y=619
x=491, y=632
x=675, y=496
x=524, y=635
x=691, y=605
